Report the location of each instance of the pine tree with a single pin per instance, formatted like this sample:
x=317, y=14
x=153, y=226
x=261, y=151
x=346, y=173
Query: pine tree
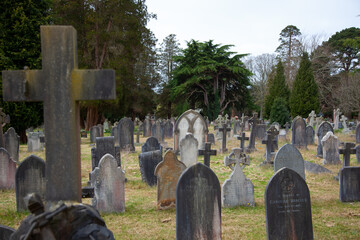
x=304, y=97
x=279, y=111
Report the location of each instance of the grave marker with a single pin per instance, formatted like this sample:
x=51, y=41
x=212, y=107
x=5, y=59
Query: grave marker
x=270, y=141
x=330, y=145
x=310, y=135
x=298, y=128
x=105, y=145
x=224, y=129
x=12, y=143
x=189, y=150
x=254, y=121
x=151, y=144
x=290, y=157
x=242, y=139
x=7, y=170
x=148, y=162
x=95, y=132
x=4, y=119
x=207, y=152
x=126, y=134
x=323, y=129
x=349, y=148
x=357, y=133
x=5, y=232
x=349, y=184
x=236, y=157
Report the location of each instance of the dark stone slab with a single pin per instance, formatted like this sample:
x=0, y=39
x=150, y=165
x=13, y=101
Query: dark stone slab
x=158, y=131
x=211, y=138
x=12, y=143
x=207, y=152
x=148, y=162
x=288, y=207
x=310, y=135
x=198, y=204
x=105, y=145
x=260, y=131
x=7, y=170
x=5, y=232
x=357, y=148
x=298, y=128
x=168, y=129
x=357, y=133
x=151, y=144
x=322, y=131
x=29, y=178
x=346, y=151
x=315, y=168
x=126, y=134
x=349, y=190
x=224, y=129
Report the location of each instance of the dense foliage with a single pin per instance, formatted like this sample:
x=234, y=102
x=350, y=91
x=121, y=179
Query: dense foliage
x=279, y=111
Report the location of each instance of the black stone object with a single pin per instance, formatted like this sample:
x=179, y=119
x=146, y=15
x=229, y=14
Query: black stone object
x=148, y=162
x=87, y=192
x=349, y=189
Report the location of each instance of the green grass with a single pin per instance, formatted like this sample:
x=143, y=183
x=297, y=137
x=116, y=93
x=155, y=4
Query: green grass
x=331, y=218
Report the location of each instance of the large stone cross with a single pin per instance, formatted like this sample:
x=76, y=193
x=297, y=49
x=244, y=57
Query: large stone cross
x=4, y=119
x=60, y=85
x=242, y=139
x=224, y=129
x=270, y=133
x=349, y=148
x=236, y=157
x=254, y=121
x=207, y=152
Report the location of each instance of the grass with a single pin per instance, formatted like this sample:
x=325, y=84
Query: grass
x=331, y=218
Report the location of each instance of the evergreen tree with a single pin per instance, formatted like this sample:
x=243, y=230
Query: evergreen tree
x=304, y=97
x=277, y=88
x=279, y=111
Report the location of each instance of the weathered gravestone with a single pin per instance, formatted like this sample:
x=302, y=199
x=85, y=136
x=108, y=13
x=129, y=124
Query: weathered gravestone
x=282, y=135
x=95, y=132
x=33, y=144
x=288, y=207
x=198, y=204
x=168, y=129
x=29, y=178
x=242, y=139
x=330, y=145
x=101, y=128
x=190, y=122
x=109, y=186
x=298, y=128
x=207, y=152
x=323, y=129
x=60, y=85
x=270, y=142
x=105, y=145
x=312, y=116
x=357, y=133
x=310, y=135
x=349, y=184
x=189, y=150
x=126, y=134
x=237, y=127
x=260, y=131
x=158, y=132
x=211, y=138
x=147, y=126
x=357, y=149
x=254, y=122
x=289, y=156
x=224, y=129
x=12, y=143
x=4, y=119
x=148, y=162
x=7, y=170
x=349, y=148
x=337, y=114
x=236, y=157
x=5, y=232
x=168, y=172
x=315, y=168
x=151, y=144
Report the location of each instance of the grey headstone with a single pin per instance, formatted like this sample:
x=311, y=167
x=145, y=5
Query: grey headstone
x=260, y=131
x=198, y=204
x=237, y=128
x=115, y=133
x=358, y=153
x=168, y=129
x=12, y=142
x=109, y=186
x=126, y=134
x=5, y=232
x=310, y=135
x=189, y=150
x=323, y=129
x=315, y=168
x=211, y=138
x=7, y=170
x=298, y=128
x=288, y=207
x=33, y=144
x=104, y=145
x=148, y=162
x=147, y=127
x=330, y=145
x=30, y=178
x=157, y=131
x=282, y=135
x=357, y=133
x=95, y=132
x=349, y=187
x=289, y=156
x=151, y=144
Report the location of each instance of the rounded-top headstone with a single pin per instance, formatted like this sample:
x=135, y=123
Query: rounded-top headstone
x=290, y=157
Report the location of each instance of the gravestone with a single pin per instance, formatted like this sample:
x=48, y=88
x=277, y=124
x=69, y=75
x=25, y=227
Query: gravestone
x=148, y=162
x=105, y=145
x=168, y=129
x=315, y=168
x=7, y=170
x=238, y=190
x=190, y=122
x=246, y=123
x=323, y=129
x=29, y=178
x=282, y=135
x=254, y=122
x=310, y=135
x=236, y=157
x=189, y=150
x=151, y=144
x=158, y=132
x=60, y=85
x=260, y=131
x=357, y=133
x=298, y=128
x=237, y=127
x=198, y=204
x=349, y=148
x=312, y=116
x=318, y=121
x=207, y=152
x=147, y=126
x=288, y=207
x=357, y=149
x=330, y=145
x=33, y=144
x=343, y=119
x=349, y=184
x=242, y=139
x=95, y=132
x=270, y=142
x=211, y=138
x=106, y=125
x=138, y=133
x=337, y=114
x=115, y=133
x=5, y=232
x=83, y=134
x=109, y=186
x=126, y=134
x=4, y=119
x=101, y=128
x=289, y=156
x=224, y=129
x=12, y=143
x=168, y=172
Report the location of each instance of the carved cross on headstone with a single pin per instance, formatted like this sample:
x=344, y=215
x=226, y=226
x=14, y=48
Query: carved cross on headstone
x=207, y=152
x=271, y=134
x=242, y=139
x=4, y=119
x=224, y=129
x=236, y=157
x=349, y=148
x=60, y=85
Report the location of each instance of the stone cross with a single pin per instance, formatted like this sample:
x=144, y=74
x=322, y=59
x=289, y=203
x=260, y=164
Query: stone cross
x=242, y=139
x=271, y=133
x=254, y=121
x=224, y=129
x=236, y=157
x=312, y=116
x=207, y=152
x=4, y=119
x=337, y=114
x=349, y=148
x=343, y=120
x=60, y=85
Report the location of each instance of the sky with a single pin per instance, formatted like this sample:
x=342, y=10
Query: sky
x=252, y=26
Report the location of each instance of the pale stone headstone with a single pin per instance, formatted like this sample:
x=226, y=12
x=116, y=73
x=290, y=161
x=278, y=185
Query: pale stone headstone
x=157, y=131
x=168, y=172
x=330, y=145
x=312, y=116
x=349, y=184
x=236, y=157
x=126, y=134
x=289, y=156
x=310, y=135
x=12, y=143
x=337, y=114
x=7, y=170
x=282, y=135
x=147, y=126
x=318, y=121
x=106, y=125
x=343, y=119
x=95, y=132
x=189, y=150
x=148, y=162
x=298, y=128
x=323, y=129
x=33, y=144
x=198, y=204
x=30, y=178
x=109, y=186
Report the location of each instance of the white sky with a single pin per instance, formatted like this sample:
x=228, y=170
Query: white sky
x=253, y=26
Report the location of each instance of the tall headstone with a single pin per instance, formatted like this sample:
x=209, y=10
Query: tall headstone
x=168, y=129
x=224, y=129
x=298, y=128
x=126, y=134
x=148, y=162
x=4, y=119
x=151, y=144
x=330, y=145
x=147, y=126
x=33, y=144
x=7, y=170
x=318, y=121
x=211, y=138
x=260, y=131
x=29, y=178
x=289, y=156
x=343, y=119
x=158, y=132
x=270, y=142
x=60, y=85
x=288, y=207
x=168, y=172
x=237, y=127
x=357, y=133
x=254, y=121
x=115, y=134
x=323, y=129
x=312, y=116
x=190, y=122
x=95, y=132
x=349, y=184
x=310, y=135
x=12, y=143
x=105, y=145
x=189, y=150
x=109, y=186
x=198, y=204
x=337, y=114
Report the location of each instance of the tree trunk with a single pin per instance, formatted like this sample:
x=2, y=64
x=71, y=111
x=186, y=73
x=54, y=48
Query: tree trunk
x=92, y=117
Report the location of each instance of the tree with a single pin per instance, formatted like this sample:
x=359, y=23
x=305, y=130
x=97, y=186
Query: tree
x=279, y=111
x=277, y=88
x=304, y=97
x=20, y=23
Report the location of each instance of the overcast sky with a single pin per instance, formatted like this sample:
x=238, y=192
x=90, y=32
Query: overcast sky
x=253, y=26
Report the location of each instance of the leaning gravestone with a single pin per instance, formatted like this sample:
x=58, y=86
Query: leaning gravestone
x=189, y=150
x=29, y=178
x=151, y=144
x=323, y=129
x=289, y=156
x=7, y=170
x=349, y=187
x=12, y=141
x=310, y=135
x=190, y=122
x=94, y=133
x=330, y=145
x=168, y=172
x=148, y=162
x=357, y=133
x=5, y=232
x=315, y=168
x=298, y=128
x=109, y=186
x=33, y=144
x=288, y=207
x=126, y=134
x=105, y=145
x=157, y=130
x=198, y=204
